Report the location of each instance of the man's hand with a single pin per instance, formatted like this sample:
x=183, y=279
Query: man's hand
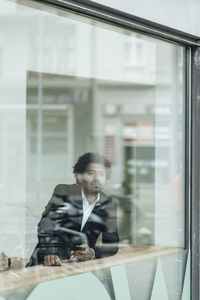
x=52, y=260
x=83, y=255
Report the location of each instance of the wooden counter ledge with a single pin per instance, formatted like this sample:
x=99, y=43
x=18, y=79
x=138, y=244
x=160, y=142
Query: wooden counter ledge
x=16, y=278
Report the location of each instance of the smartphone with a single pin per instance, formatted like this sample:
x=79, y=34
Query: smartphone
x=80, y=248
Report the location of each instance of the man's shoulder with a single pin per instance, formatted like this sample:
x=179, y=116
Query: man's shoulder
x=63, y=189
x=107, y=198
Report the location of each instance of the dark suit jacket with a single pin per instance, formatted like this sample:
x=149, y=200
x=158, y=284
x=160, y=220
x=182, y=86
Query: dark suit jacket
x=59, y=229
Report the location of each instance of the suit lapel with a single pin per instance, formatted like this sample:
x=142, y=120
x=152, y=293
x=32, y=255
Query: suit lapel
x=95, y=216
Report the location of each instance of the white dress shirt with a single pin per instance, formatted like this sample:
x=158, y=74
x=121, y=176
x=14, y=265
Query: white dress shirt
x=87, y=208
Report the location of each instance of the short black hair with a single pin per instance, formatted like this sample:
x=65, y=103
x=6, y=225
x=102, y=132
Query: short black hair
x=88, y=158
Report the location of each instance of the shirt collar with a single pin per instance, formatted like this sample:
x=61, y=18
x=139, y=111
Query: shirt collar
x=85, y=202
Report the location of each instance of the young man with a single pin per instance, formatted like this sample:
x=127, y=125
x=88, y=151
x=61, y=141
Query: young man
x=76, y=215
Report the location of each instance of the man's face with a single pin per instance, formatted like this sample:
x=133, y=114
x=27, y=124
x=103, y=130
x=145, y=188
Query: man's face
x=93, y=179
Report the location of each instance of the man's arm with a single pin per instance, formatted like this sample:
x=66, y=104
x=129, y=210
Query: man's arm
x=110, y=237
x=49, y=249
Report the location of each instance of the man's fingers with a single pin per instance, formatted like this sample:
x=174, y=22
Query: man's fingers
x=52, y=260
x=83, y=255
x=47, y=260
x=57, y=261
x=78, y=254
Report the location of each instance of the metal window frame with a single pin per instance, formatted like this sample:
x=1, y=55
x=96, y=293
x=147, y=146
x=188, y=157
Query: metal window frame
x=104, y=13
x=191, y=43
x=195, y=172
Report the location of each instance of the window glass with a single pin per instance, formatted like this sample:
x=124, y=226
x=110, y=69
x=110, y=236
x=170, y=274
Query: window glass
x=71, y=85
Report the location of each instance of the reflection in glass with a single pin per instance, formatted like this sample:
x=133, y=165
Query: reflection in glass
x=132, y=126
x=70, y=85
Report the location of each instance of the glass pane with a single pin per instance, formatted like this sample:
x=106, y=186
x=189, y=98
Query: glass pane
x=68, y=86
